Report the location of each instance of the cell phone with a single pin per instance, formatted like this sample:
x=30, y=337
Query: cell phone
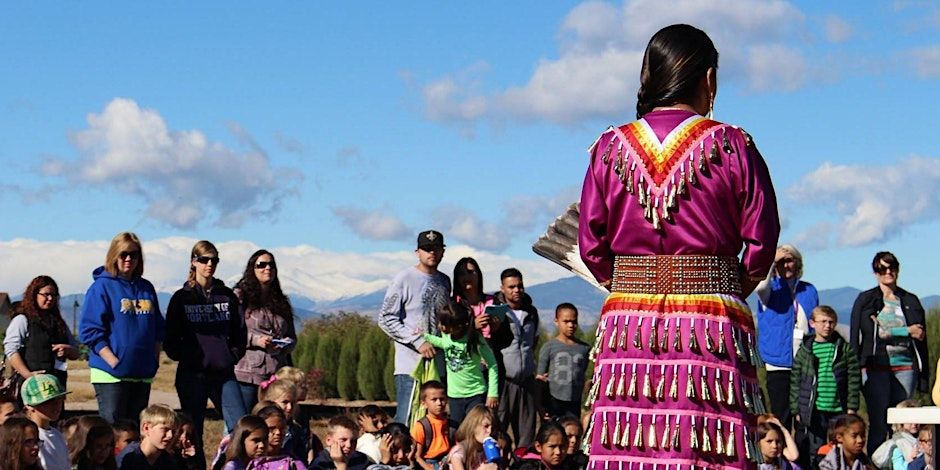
x=497, y=311
x=282, y=341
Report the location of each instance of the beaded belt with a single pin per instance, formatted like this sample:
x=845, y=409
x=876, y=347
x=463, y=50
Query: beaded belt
x=677, y=274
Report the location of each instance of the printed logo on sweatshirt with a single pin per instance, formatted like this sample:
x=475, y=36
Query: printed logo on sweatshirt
x=207, y=313
x=139, y=307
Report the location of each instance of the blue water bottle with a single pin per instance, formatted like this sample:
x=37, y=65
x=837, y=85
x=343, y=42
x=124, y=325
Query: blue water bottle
x=491, y=450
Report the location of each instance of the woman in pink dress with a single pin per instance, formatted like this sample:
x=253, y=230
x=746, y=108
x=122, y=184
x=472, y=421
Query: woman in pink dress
x=669, y=202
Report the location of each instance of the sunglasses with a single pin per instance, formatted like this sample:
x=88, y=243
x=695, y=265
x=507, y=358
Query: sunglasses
x=265, y=264
x=883, y=269
x=207, y=259
x=129, y=255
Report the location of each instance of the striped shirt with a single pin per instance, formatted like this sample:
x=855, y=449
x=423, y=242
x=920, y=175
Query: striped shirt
x=826, y=397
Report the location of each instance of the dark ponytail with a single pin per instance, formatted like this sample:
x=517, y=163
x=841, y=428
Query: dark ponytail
x=676, y=59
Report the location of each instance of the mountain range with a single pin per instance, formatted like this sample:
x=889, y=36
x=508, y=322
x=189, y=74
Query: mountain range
x=546, y=296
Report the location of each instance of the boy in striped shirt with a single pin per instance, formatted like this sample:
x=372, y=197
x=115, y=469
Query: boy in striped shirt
x=825, y=380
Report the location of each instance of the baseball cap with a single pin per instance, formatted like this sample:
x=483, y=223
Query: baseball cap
x=40, y=388
x=430, y=239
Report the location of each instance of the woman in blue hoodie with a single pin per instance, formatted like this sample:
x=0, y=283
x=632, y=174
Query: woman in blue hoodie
x=206, y=333
x=123, y=328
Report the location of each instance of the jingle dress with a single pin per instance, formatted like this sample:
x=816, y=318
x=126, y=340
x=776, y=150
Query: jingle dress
x=675, y=382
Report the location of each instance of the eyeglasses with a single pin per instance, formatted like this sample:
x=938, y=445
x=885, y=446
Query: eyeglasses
x=129, y=255
x=883, y=269
x=49, y=295
x=265, y=264
x=207, y=259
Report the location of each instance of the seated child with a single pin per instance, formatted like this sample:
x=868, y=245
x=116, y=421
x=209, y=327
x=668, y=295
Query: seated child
x=275, y=458
x=396, y=448
x=896, y=452
x=340, y=452
x=9, y=407
x=284, y=393
x=125, y=433
x=925, y=445
x=19, y=444
x=778, y=451
x=467, y=453
x=549, y=450
x=249, y=442
x=158, y=424
x=576, y=459
x=433, y=434
x=184, y=450
x=91, y=444
x=849, y=452
x=44, y=396
x=371, y=419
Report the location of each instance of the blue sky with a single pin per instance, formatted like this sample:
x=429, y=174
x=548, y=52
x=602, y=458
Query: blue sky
x=333, y=133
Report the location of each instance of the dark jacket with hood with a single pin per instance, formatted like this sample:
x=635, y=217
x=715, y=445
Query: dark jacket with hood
x=204, y=330
x=517, y=359
x=864, y=334
x=804, y=377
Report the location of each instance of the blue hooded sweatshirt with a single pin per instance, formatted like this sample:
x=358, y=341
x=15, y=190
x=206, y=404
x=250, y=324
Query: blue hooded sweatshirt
x=125, y=316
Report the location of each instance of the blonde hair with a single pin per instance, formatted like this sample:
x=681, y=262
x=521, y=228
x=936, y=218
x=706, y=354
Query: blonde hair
x=159, y=413
x=122, y=242
x=277, y=388
x=825, y=311
x=909, y=403
x=293, y=374
x=201, y=248
x=465, y=436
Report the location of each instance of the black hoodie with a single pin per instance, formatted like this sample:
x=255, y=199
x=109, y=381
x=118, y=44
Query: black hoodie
x=205, y=334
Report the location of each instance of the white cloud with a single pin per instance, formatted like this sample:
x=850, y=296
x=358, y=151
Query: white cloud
x=872, y=203
x=471, y=229
x=601, y=48
x=182, y=176
x=303, y=269
x=375, y=224
x=528, y=212
x=837, y=29
x=925, y=61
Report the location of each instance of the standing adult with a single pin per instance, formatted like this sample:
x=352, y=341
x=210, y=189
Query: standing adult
x=517, y=399
x=37, y=340
x=123, y=328
x=888, y=330
x=206, y=334
x=408, y=312
x=269, y=318
x=785, y=303
x=668, y=203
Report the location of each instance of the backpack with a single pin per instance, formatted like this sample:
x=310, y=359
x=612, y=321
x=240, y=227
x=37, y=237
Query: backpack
x=429, y=434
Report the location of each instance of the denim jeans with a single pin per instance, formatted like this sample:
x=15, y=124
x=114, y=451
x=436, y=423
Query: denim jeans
x=249, y=396
x=460, y=406
x=404, y=388
x=882, y=390
x=194, y=388
x=122, y=400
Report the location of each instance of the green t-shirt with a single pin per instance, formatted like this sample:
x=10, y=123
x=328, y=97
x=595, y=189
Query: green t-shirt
x=464, y=372
x=827, y=398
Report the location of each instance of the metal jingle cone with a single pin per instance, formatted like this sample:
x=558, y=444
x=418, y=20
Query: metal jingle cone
x=638, y=335
x=713, y=154
x=647, y=387
x=729, y=396
x=730, y=445
x=615, y=440
x=706, y=441
x=693, y=179
x=622, y=382
x=619, y=170
x=722, y=348
x=632, y=391
x=738, y=347
x=611, y=381
x=651, y=433
x=598, y=338
x=746, y=396
x=620, y=150
x=693, y=338
x=667, y=215
x=604, y=438
x=709, y=344
x=664, y=441
x=755, y=357
x=656, y=223
x=677, y=339
x=693, y=434
x=719, y=398
x=612, y=337
x=606, y=157
x=661, y=386
x=638, y=435
x=625, y=436
x=664, y=341
x=725, y=143
x=586, y=445
x=682, y=187
x=706, y=396
x=622, y=341
x=690, y=383
x=747, y=446
x=675, y=434
x=674, y=388
x=654, y=335
x=629, y=185
x=595, y=386
x=719, y=439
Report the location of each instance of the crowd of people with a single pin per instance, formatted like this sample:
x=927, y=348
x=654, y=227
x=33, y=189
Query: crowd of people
x=667, y=204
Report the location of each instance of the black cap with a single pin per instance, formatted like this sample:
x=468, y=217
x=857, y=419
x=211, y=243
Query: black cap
x=430, y=239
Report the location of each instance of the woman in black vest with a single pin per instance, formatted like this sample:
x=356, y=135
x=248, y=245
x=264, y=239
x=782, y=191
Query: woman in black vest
x=37, y=340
